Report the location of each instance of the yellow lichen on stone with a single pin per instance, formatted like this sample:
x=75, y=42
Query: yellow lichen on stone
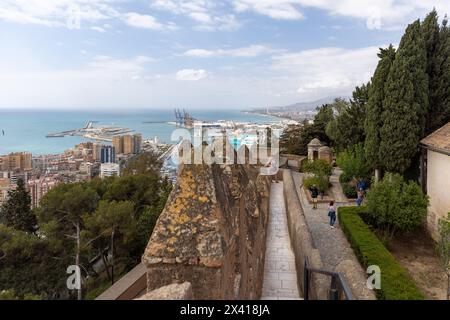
x=182, y=218
x=203, y=199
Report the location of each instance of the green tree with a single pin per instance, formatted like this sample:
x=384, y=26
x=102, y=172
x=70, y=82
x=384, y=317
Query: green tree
x=29, y=266
x=61, y=217
x=319, y=167
x=147, y=219
x=439, y=113
x=295, y=139
x=430, y=31
x=396, y=206
x=325, y=114
x=111, y=219
x=11, y=295
x=443, y=247
x=16, y=211
x=347, y=127
x=406, y=102
x=147, y=162
x=375, y=108
x=141, y=189
x=353, y=163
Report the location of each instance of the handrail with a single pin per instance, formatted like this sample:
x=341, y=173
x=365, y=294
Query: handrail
x=339, y=289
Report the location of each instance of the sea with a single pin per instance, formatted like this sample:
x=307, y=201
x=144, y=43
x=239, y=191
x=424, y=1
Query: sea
x=26, y=130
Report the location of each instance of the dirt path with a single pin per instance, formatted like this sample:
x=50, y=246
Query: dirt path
x=418, y=255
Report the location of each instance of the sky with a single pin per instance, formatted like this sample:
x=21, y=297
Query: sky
x=156, y=54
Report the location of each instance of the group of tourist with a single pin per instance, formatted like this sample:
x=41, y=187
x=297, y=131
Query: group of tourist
x=331, y=207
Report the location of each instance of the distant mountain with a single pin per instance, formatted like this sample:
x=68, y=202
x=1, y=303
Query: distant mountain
x=299, y=106
x=305, y=106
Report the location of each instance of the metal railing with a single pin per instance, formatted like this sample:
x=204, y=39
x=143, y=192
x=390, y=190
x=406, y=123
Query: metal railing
x=338, y=290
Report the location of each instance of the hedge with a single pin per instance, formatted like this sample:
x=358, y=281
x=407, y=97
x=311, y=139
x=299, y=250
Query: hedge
x=396, y=283
x=349, y=191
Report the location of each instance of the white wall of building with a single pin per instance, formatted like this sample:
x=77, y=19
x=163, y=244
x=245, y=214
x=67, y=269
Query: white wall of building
x=438, y=189
x=109, y=170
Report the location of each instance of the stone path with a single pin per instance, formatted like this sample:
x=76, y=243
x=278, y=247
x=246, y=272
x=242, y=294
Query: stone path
x=280, y=277
x=336, y=187
x=335, y=250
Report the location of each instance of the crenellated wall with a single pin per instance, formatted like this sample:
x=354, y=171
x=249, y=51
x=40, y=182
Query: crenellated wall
x=212, y=233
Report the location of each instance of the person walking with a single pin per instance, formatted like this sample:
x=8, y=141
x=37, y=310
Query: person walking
x=332, y=214
x=314, y=194
x=360, y=199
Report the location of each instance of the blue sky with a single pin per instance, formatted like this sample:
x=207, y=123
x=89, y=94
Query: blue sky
x=99, y=54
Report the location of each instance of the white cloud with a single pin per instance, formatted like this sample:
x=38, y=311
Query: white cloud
x=191, y=75
x=53, y=13
x=212, y=15
x=98, y=29
x=142, y=21
x=328, y=71
x=389, y=14
x=250, y=51
x=75, y=14
x=208, y=15
x=277, y=9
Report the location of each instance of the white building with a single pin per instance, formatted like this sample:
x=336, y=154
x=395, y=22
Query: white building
x=435, y=168
x=109, y=170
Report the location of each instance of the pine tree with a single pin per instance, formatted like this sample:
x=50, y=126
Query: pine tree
x=406, y=102
x=431, y=36
x=374, y=107
x=439, y=113
x=16, y=211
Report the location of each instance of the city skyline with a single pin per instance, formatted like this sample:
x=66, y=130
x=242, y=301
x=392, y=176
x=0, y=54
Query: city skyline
x=77, y=54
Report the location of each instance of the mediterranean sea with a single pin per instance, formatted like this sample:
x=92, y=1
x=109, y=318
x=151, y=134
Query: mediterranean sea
x=26, y=130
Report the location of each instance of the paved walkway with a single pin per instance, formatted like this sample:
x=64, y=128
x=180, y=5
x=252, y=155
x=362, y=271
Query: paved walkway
x=280, y=277
x=336, y=187
x=335, y=250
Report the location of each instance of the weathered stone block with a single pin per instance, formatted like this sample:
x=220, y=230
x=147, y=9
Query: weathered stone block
x=176, y=291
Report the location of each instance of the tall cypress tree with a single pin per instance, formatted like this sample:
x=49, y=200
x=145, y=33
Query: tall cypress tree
x=16, y=211
x=440, y=82
x=431, y=36
x=374, y=107
x=430, y=33
x=405, y=103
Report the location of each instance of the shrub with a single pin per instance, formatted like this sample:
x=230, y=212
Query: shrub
x=349, y=191
x=443, y=248
x=396, y=205
x=396, y=283
x=322, y=183
x=344, y=178
x=353, y=163
x=319, y=167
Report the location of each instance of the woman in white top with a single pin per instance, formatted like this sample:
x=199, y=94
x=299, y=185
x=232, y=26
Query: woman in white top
x=332, y=214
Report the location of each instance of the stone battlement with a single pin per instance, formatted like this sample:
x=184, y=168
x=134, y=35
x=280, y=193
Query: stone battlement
x=212, y=233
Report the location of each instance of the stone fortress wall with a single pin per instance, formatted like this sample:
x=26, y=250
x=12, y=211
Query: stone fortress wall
x=212, y=233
